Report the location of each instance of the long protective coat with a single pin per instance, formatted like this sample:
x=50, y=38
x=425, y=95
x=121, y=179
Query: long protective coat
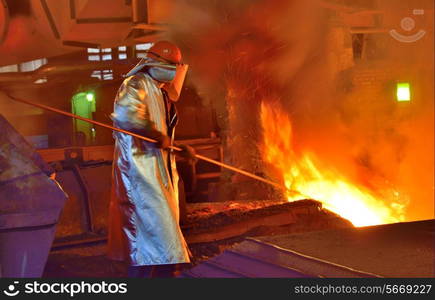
x=144, y=212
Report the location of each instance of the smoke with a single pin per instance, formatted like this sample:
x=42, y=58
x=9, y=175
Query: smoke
x=299, y=54
x=386, y=145
x=242, y=53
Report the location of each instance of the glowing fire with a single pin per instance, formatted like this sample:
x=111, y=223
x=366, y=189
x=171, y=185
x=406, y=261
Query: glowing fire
x=302, y=173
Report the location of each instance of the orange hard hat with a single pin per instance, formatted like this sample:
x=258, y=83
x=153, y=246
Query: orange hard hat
x=166, y=52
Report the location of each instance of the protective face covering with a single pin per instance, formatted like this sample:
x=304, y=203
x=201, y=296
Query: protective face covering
x=172, y=76
x=162, y=74
x=174, y=87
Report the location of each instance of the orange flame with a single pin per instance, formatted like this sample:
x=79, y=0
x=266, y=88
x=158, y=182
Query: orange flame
x=302, y=173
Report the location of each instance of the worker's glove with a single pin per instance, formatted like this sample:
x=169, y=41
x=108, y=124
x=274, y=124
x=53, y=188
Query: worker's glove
x=188, y=153
x=163, y=141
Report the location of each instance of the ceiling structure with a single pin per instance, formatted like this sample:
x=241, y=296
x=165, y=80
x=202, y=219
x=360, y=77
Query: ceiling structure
x=33, y=29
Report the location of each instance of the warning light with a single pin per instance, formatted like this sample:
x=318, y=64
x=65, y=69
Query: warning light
x=403, y=92
x=90, y=97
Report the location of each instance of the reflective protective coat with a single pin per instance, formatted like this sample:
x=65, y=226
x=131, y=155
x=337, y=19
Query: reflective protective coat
x=144, y=213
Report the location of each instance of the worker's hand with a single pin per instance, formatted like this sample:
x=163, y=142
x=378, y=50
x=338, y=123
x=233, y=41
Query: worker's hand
x=163, y=141
x=188, y=153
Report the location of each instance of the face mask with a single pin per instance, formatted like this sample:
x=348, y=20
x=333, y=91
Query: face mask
x=174, y=87
x=162, y=74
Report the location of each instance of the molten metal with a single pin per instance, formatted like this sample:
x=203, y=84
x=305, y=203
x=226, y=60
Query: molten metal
x=302, y=172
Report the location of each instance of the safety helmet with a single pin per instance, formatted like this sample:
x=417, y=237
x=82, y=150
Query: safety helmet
x=165, y=51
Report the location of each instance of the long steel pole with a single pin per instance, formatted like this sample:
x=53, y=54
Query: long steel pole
x=212, y=161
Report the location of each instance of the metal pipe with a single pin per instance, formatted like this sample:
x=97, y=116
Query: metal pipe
x=201, y=157
x=53, y=70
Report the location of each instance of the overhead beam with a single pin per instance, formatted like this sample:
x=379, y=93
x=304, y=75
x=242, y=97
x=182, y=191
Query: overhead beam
x=50, y=19
x=80, y=44
x=153, y=27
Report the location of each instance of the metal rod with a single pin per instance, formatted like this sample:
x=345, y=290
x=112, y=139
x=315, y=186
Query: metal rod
x=212, y=161
x=240, y=171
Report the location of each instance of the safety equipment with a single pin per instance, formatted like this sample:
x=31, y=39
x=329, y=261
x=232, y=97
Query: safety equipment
x=148, y=62
x=163, y=63
x=188, y=153
x=162, y=54
x=162, y=140
x=144, y=213
x=174, y=87
x=162, y=74
x=166, y=52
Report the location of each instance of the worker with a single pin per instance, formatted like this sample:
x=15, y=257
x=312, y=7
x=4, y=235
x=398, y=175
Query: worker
x=144, y=226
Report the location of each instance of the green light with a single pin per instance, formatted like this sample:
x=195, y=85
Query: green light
x=403, y=92
x=90, y=97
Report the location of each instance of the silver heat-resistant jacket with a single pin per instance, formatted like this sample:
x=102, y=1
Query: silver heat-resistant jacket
x=144, y=213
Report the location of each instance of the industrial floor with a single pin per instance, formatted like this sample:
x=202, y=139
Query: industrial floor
x=90, y=260
x=394, y=250
x=211, y=228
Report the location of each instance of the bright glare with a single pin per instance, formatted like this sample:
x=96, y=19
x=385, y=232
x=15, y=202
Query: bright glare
x=90, y=97
x=403, y=92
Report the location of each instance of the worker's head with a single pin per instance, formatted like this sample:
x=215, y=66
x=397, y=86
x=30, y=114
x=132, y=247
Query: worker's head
x=167, y=56
x=164, y=64
x=165, y=52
